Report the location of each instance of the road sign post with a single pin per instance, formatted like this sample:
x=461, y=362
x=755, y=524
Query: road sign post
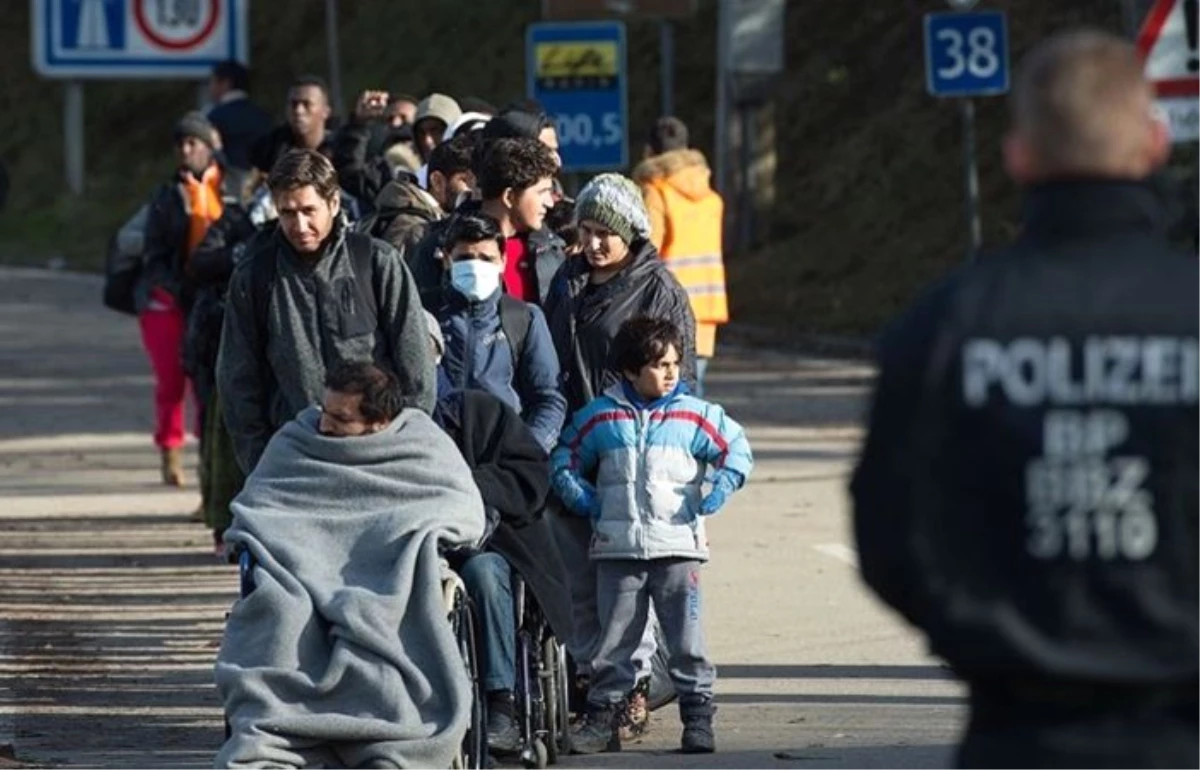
x=76, y=40
x=1168, y=44
x=577, y=71
x=966, y=55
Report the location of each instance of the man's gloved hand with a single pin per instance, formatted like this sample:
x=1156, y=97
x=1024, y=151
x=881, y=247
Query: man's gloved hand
x=724, y=484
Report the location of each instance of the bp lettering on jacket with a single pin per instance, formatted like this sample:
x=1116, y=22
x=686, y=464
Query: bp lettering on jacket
x=1085, y=492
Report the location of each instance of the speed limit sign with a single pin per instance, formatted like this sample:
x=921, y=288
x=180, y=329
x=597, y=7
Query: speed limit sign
x=176, y=25
x=137, y=38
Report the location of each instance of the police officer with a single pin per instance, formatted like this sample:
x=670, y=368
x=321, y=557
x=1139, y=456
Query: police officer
x=1027, y=492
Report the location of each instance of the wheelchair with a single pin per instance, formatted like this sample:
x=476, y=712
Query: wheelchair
x=542, y=688
x=460, y=609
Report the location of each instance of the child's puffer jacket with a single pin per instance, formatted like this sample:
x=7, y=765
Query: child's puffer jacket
x=649, y=465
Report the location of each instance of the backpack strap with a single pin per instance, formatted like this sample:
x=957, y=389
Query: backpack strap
x=262, y=279
x=360, y=249
x=516, y=318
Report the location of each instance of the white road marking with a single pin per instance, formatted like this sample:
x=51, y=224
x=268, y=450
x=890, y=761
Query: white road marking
x=842, y=553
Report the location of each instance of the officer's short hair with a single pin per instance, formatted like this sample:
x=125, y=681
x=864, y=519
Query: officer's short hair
x=1081, y=100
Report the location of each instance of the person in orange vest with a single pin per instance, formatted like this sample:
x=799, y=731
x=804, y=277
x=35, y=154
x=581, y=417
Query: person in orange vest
x=685, y=226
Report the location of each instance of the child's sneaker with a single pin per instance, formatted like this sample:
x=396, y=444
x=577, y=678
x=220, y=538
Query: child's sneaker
x=636, y=717
x=697, y=718
x=597, y=730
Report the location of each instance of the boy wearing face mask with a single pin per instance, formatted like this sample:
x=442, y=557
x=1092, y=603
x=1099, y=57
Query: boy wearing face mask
x=495, y=342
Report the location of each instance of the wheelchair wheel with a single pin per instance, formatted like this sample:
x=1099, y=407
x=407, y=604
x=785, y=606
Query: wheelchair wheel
x=473, y=755
x=557, y=693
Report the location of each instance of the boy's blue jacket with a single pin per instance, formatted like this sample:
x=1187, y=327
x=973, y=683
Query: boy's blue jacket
x=649, y=462
x=478, y=356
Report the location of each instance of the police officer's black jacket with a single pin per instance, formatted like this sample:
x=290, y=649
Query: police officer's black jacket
x=1027, y=494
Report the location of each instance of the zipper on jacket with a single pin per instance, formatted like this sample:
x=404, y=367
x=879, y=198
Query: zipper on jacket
x=468, y=364
x=643, y=476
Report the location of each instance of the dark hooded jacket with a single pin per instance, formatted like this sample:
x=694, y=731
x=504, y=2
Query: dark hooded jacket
x=403, y=214
x=513, y=476
x=584, y=319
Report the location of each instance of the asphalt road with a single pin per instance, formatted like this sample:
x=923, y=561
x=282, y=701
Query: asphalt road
x=111, y=605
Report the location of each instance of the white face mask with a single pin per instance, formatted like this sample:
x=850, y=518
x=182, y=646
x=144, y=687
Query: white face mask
x=475, y=279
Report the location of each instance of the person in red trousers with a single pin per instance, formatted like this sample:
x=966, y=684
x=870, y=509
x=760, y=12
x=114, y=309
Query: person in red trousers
x=179, y=215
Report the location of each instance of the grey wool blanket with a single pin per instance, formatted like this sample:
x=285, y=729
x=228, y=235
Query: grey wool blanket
x=342, y=655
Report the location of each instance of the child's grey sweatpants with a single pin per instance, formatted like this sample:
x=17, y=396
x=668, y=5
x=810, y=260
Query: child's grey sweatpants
x=625, y=589
x=573, y=535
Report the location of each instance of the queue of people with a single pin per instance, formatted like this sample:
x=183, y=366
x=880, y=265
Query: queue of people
x=407, y=260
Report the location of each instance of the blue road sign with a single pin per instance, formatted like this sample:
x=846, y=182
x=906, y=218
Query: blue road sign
x=966, y=54
x=136, y=38
x=577, y=71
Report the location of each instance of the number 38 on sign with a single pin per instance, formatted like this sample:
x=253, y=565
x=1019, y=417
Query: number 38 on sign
x=966, y=54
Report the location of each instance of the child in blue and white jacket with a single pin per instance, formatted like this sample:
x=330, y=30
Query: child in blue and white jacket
x=649, y=445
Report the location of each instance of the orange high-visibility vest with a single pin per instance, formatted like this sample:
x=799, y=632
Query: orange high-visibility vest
x=690, y=241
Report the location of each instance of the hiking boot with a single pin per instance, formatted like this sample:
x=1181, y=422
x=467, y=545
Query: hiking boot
x=503, y=734
x=636, y=717
x=597, y=730
x=172, y=467
x=697, y=718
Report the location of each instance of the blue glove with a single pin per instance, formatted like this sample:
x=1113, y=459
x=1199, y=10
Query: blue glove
x=714, y=502
x=587, y=503
x=723, y=485
x=577, y=495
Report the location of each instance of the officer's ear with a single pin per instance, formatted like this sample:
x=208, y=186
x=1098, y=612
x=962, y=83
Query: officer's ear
x=1158, y=145
x=1019, y=159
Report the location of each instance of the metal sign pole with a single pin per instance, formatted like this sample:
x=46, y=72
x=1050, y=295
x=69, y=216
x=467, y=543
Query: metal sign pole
x=971, y=174
x=73, y=157
x=335, y=65
x=666, y=32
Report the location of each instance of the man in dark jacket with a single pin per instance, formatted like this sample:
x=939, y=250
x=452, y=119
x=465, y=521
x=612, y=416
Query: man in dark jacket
x=311, y=297
x=405, y=213
x=239, y=121
x=517, y=365
x=1027, y=493
x=210, y=268
x=359, y=146
x=513, y=476
x=308, y=114
x=515, y=178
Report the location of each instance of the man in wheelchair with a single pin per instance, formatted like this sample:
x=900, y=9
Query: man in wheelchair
x=342, y=654
x=512, y=472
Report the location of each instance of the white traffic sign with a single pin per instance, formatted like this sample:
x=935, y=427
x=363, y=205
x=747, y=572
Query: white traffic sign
x=136, y=38
x=1168, y=44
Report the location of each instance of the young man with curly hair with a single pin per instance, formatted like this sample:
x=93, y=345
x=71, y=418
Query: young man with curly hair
x=515, y=179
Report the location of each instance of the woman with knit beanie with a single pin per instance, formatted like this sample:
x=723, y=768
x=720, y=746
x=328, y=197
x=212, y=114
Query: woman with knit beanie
x=618, y=276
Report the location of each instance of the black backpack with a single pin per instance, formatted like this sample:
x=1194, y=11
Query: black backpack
x=123, y=263
x=516, y=317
